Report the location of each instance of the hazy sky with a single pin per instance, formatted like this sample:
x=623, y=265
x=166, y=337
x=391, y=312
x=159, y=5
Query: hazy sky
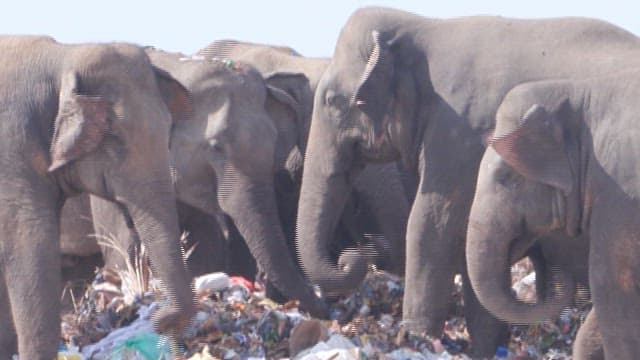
x=311, y=27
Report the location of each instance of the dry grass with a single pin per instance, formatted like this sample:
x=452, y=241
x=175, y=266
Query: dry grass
x=136, y=275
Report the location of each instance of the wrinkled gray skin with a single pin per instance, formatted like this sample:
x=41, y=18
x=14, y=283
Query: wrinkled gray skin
x=74, y=120
x=564, y=158
x=425, y=91
x=228, y=149
x=379, y=202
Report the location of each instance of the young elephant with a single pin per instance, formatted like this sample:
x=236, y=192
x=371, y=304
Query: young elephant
x=401, y=86
x=564, y=159
x=80, y=118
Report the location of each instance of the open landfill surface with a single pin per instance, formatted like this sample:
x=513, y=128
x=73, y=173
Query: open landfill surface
x=235, y=321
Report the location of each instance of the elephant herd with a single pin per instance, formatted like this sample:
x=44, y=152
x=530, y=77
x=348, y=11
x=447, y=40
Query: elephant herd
x=428, y=147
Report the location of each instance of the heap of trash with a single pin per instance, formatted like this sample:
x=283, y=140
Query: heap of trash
x=236, y=321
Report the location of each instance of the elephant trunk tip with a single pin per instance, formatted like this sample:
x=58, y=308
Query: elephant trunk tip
x=346, y=276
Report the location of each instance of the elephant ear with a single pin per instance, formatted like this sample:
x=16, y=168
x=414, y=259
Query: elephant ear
x=80, y=125
x=375, y=89
x=175, y=95
x=536, y=149
x=290, y=89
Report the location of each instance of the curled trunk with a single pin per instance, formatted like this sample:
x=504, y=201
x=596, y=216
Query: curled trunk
x=488, y=263
x=322, y=200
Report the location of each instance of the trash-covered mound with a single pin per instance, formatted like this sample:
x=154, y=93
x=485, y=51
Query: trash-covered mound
x=235, y=321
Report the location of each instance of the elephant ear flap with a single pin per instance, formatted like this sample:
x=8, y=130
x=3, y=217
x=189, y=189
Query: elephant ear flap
x=375, y=88
x=536, y=149
x=175, y=95
x=291, y=89
x=80, y=125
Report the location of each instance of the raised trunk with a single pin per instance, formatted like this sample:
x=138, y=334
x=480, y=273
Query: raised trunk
x=488, y=263
x=153, y=210
x=253, y=208
x=322, y=200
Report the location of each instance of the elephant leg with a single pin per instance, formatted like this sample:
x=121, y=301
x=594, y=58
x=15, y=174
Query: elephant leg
x=8, y=338
x=118, y=241
x=588, y=344
x=383, y=193
x=241, y=261
x=433, y=258
x=485, y=330
x=32, y=271
x=615, y=297
x=205, y=245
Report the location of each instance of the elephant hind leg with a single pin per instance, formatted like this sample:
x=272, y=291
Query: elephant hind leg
x=8, y=338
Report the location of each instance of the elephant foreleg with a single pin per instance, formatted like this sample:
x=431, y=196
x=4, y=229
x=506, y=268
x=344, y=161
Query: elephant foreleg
x=485, y=330
x=31, y=268
x=382, y=191
x=588, y=344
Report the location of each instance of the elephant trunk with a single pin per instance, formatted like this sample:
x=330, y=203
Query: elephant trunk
x=488, y=264
x=252, y=205
x=322, y=200
x=152, y=209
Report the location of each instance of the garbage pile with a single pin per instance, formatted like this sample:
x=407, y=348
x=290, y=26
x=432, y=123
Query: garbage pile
x=236, y=321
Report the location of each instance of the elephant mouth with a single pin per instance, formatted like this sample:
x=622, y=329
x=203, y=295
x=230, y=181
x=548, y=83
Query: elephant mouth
x=379, y=150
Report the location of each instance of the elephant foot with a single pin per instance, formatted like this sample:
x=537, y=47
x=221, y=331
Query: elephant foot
x=273, y=293
x=317, y=307
x=171, y=320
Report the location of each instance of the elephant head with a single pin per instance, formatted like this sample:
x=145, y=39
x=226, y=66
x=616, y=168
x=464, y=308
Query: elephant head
x=527, y=187
x=230, y=148
x=111, y=138
x=360, y=113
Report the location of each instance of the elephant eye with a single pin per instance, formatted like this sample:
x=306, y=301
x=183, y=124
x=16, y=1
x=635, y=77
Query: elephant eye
x=216, y=148
x=337, y=102
x=507, y=177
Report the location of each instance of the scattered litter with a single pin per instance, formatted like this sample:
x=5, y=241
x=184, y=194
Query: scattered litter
x=236, y=321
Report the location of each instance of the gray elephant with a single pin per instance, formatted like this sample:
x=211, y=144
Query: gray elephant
x=401, y=86
x=378, y=204
x=75, y=120
x=229, y=102
x=563, y=159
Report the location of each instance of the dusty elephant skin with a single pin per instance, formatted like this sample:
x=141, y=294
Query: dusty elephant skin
x=564, y=159
x=425, y=91
x=73, y=120
x=378, y=204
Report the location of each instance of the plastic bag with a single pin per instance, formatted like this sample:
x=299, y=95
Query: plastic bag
x=145, y=346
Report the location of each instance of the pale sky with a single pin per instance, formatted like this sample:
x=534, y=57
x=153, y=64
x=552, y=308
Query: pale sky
x=310, y=27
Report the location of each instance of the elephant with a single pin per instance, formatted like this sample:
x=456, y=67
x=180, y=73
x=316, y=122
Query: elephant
x=78, y=118
x=379, y=203
x=425, y=91
x=563, y=160
x=229, y=101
